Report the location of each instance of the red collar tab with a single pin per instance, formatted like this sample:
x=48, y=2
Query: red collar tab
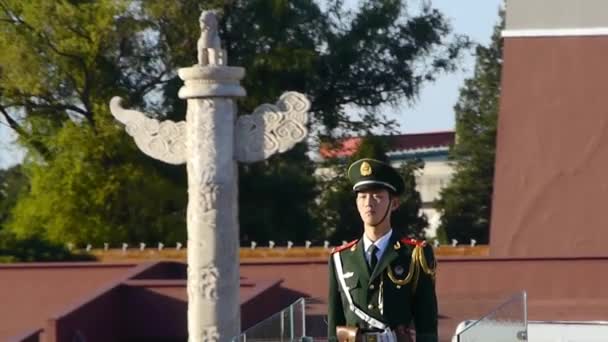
x=413, y=242
x=345, y=246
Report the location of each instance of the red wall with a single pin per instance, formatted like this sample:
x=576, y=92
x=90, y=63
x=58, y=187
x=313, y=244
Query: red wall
x=550, y=188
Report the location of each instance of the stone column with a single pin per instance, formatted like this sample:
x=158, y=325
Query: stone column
x=210, y=142
x=213, y=238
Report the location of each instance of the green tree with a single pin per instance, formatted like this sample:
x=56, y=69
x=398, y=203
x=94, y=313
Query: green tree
x=13, y=249
x=366, y=58
x=12, y=182
x=467, y=202
x=61, y=61
x=338, y=213
x=97, y=189
x=377, y=54
x=275, y=199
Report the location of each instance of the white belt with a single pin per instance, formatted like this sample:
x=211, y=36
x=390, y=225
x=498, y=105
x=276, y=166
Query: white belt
x=360, y=313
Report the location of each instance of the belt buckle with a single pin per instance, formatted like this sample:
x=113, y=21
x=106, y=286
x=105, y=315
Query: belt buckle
x=371, y=337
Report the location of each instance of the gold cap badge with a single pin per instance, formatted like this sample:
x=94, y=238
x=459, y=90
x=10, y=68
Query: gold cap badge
x=366, y=169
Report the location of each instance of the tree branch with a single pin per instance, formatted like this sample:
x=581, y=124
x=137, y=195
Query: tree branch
x=78, y=59
x=12, y=123
x=36, y=145
x=59, y=107
x=150, y=84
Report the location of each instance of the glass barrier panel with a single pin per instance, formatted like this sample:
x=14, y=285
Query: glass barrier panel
x=507, y=323
x=287, y=325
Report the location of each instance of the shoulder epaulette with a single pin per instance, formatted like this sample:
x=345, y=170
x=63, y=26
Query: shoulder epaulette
x=344, y=246
x=418, y=264
x=413, y=242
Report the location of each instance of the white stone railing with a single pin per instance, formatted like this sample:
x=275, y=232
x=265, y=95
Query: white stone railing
x=252, y=245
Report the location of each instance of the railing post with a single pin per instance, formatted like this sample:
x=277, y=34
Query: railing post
x=282, y=324
x=291, y=324
x=303, y=317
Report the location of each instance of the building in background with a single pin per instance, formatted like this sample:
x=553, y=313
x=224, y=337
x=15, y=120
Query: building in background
x=432, y=148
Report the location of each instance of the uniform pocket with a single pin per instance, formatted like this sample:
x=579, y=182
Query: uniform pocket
x=352, y=280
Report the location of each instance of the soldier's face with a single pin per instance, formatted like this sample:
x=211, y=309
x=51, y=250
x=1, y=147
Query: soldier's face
x=373, y=205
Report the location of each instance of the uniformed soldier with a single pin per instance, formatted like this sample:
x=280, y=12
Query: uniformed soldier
x=382, y=282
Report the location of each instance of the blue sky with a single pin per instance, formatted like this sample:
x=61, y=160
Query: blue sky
x=433, y=111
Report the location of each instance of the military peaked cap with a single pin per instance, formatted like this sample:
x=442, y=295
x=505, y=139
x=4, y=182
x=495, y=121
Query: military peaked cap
x=371, y=173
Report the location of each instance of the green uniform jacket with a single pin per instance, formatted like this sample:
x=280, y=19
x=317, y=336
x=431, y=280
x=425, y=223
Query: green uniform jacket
x=402, y=304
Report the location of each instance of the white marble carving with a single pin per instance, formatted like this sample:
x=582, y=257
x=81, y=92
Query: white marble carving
x=206, y=197
x=209, y=45
x=207, y=142
x=209, y=334
x=206, y=221
x=203, y=282
x=212, y=225
x=164, y=140
x=272, y=129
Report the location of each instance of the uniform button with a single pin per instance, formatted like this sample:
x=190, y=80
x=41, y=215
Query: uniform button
x=371, y=306
x=371, y=287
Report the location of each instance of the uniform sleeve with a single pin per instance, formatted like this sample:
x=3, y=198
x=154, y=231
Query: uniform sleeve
x=425, y=302
x=335, y=311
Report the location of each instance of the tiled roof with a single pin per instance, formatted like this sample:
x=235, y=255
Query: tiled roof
x=396, y=143
x=421, y=140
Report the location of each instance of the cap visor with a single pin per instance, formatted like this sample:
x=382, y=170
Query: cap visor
x=373, y=185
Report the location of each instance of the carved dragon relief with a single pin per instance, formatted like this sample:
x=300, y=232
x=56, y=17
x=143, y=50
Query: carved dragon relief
x=164, y=140
x=209, y=334
x=272, y=129
x=203, y=281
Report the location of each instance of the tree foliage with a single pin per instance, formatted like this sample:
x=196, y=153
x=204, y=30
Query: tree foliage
x=276, y=199
x=374, y=55
x=96, y=189
x=62, y=60
x=13, y=249
x=467, y=202
x=12, y=182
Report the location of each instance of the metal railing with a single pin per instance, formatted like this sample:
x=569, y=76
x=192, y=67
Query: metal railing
x=287, y=325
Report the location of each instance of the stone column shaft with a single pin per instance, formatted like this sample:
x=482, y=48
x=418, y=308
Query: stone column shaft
x=213, y=270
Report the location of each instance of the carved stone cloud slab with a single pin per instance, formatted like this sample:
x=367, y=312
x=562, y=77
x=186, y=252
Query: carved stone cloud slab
x=272, y=129
x=164, y=140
